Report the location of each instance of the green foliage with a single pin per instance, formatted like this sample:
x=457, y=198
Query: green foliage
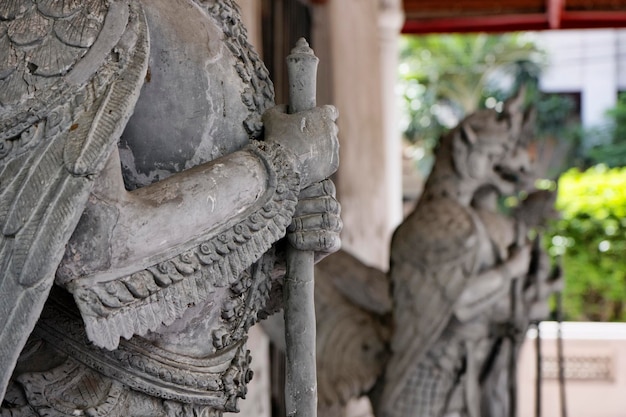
x=442, y=78
x=454, y=71
x=612, y=150
x=445, y=77
x=553, y=112
x=591, y=239
x=459, y=68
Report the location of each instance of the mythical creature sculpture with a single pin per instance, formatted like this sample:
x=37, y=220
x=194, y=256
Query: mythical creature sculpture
x=525, y=302
x=441, y=329
x=142, y=199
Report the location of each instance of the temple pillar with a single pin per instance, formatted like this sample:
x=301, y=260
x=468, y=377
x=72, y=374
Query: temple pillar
x=356, y=42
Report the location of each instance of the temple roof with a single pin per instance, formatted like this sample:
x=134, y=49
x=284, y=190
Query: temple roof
x=432, y=16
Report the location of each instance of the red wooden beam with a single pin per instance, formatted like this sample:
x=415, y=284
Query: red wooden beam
x=595, y=18
x=516, y=22
x=477, y=24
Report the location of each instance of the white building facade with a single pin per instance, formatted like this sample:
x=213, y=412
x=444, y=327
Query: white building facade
x=590, y=62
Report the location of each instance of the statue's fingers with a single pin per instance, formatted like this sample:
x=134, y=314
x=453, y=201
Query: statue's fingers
x=325, y=187
x=317, y=206
x=315, y=222
x=317, y=241
x=326, y=116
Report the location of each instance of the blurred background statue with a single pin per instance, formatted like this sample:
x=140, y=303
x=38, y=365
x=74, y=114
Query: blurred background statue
x=439, y=334
x=146, y=179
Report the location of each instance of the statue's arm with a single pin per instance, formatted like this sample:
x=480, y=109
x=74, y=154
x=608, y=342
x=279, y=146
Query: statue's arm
x=143, y=224
x=489, y=286
x=128, y=231
x=543, y=280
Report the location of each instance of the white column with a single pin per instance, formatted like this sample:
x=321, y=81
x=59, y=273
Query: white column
x=621, y=59
x=251, y=16
x=391, y=20
x=356, y=41
x=353, y=38
x=599, y=76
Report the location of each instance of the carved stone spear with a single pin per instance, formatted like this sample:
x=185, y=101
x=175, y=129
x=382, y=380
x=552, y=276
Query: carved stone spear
x=300, y=373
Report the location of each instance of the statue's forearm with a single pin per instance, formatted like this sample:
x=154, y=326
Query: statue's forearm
x=483, y=291
x=185, y=207
x=132, y=230
x=489, y=286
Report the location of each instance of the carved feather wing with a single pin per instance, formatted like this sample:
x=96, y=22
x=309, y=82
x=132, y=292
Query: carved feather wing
x=433, y=253
x=70, y=73
x=364, y=286
x=352, y=335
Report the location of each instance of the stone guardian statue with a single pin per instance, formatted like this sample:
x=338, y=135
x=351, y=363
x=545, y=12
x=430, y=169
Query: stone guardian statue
x=146, y=181
x=436, y=335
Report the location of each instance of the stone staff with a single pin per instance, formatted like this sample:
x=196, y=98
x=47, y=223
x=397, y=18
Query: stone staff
x=301, y=375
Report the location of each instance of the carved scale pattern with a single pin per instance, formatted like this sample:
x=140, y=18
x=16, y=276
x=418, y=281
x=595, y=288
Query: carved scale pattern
x=259, y=93
x=71, y=387
x=40, y=41
x=141, y=302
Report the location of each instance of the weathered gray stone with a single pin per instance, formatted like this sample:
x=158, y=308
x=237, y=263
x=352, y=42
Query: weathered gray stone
x=165, y=243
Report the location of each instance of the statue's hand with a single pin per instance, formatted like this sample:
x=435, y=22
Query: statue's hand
x=547, y=280
x=518, y=263
x=311, y=135
x=316, y=224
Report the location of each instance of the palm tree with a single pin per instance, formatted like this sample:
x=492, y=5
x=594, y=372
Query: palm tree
x=456, y=72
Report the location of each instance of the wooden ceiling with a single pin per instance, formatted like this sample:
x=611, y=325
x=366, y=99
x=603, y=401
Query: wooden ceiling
x=432, y=16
